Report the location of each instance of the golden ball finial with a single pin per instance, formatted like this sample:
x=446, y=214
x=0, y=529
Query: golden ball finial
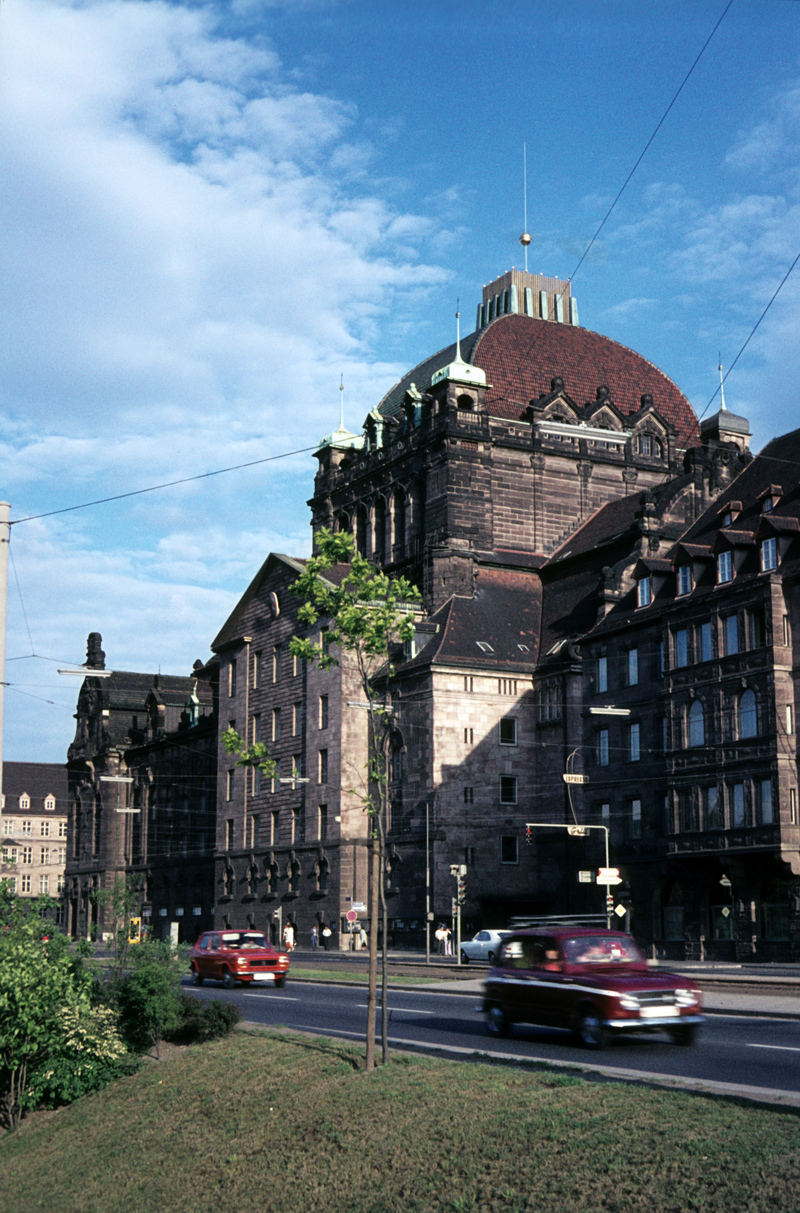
x=525, y=238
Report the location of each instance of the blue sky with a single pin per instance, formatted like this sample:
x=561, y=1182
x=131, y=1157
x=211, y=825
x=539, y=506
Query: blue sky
x=211, y=211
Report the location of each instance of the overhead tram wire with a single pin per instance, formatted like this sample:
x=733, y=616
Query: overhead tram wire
x=639, y=160
x=155, y=488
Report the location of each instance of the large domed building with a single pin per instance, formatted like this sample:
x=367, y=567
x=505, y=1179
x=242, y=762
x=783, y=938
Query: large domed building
x=496, y=448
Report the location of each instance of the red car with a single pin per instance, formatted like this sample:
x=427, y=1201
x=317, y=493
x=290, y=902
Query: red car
x=231, y=956
x=594, y=982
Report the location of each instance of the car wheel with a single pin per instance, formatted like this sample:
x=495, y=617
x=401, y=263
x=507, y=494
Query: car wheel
x=490, y=958
x=496, y=1022
x=228, y=980
x=464, y=957
x=196, y=978
x=685, y=1035
x=591, y=1032
x=280, y=982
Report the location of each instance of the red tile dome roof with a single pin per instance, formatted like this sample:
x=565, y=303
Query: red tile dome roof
x=521, y=355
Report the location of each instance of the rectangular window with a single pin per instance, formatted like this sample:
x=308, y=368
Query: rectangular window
x=602, y=747
x=730, y=633
x=661, y=726
x=769, y=554
x=636, y=819
x=62, y=829
x=275, y=827
x=232, y=678
x=323, y=711
x=509, y=848
x=680, y=641
x=508, y=731
x=45, y=858
x=756, y=628
x=256, y=668
x=256, y=728
x=276, y=724
x=277, y=662
x=11, y=883
x=27, y=829
x=764, y=802
x=711, y=809
x=736, y=799
x=506, y=686
x=469, y=795
x=27, y=854
x=44, y=885
x=633, y=743
x=703, y=634
x=44, y=829
x=602, y=675
x=295, y=665
x=686, y=810
x=633, y=667
x=469, y=736
x=298, y=825
x=468, y=684
x=724, y=567
x=229, y=834
x=508, y=789
x=662, y=659
x=787, y=631
x=605, y=814
x=793, y=806
x=684, y=578
x=10, y=854
x=8, y=825
x=789, y=718
x=255, y=786
x=323, y=766
x=643, y=592
x=323, y=822
x=24, y=884
x=229, y=784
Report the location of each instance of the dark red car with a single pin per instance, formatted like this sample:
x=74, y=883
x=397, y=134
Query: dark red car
x=594, y=982
x=231, y=956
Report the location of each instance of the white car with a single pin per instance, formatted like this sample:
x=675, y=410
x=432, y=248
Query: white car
x=484, y=946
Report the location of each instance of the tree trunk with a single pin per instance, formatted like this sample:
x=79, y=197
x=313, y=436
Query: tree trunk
x=373, y=952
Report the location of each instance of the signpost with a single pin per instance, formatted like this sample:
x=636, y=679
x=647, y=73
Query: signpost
x=608, y=876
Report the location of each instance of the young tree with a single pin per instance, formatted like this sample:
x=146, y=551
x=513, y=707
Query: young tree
x=367, y=614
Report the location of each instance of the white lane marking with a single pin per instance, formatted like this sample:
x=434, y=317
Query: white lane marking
x=281, y=997
x=399, y=1010
x=783, y=1048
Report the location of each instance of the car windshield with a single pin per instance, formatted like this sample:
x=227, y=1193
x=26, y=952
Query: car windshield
x=243, y=939
x=601, y=949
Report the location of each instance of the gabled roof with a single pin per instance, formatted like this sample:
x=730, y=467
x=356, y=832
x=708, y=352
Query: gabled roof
x=38, y=779
x=487, y=630
x=521, y=355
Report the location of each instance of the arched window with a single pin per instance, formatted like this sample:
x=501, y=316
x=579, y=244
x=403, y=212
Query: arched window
x=379, y=542
x=399, y=524
x=361, y=531
x=697, y=724
x=465, y=402
x=748, y=714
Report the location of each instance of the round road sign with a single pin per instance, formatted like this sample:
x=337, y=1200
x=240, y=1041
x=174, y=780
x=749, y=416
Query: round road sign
x=352, y=915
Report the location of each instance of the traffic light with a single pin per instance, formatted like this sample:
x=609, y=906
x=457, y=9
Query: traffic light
x=461, y=890
x=528, y=836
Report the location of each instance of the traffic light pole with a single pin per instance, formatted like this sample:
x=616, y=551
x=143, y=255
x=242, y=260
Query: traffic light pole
x=575, y=832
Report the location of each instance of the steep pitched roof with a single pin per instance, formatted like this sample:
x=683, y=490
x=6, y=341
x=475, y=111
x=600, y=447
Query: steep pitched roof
x=521, y=355
x=38, y=779
x=503, y=616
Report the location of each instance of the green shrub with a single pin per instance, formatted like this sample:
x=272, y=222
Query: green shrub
x=148, y=1007
x=204, y=1020
x=90, y=1055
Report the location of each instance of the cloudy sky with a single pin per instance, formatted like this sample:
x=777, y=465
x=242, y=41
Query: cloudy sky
x=209, y=212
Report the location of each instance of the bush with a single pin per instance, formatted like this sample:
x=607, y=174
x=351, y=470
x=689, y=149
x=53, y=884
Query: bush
x=204, y=1020
x=91, y=1054
x=148, y=1007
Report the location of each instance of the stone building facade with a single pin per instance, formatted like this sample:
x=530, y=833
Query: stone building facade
x=142, y=798
x=34, y=830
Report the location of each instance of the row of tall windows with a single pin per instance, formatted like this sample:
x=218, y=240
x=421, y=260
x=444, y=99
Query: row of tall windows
x=732, y=806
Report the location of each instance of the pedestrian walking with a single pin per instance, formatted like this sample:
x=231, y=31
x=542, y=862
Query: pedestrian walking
x=448, y=941
x=326, y=937
x=314, y=938
x=439, y=935
x=362, y=938
x=288, y=937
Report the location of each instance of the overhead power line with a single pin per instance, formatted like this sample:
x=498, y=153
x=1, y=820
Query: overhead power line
x=154, y=488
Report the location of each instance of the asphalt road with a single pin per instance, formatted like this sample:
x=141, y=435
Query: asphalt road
x=737, y=1051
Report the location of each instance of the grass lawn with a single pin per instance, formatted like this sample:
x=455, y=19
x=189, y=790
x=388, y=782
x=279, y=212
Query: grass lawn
x=342, y=973
x=272, y=1122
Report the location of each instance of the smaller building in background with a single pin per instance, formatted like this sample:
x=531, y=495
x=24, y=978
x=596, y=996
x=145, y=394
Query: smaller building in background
x=34, y=830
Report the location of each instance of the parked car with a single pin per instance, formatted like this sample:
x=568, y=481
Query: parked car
x=594, y=982
x=483, y=946
x=232, y=956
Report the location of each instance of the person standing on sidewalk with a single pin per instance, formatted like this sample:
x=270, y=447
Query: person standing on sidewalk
x=314, y=938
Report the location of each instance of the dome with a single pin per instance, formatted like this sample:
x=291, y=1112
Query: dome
x=521, y=355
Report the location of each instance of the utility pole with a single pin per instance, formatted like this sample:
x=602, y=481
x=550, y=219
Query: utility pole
x=5, y=539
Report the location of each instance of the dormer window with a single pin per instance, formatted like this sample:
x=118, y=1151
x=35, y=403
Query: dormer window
x=24, y=801
x=50, y=803
x=724, y=567
x=647, y=444
x=644, y=592
x=770, y=498
x=769, y=554
x=684, y=578
x=727, y=518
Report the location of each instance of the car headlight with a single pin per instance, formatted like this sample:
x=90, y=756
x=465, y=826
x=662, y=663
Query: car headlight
x=686, y=998
x=629, y=1002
